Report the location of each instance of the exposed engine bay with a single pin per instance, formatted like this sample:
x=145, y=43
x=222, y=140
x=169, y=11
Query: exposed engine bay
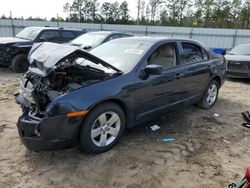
x=64, y=79
x=55, y=70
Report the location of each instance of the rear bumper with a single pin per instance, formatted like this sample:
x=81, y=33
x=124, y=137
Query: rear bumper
x=50, y=133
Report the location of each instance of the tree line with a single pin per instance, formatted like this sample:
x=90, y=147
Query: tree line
x=184, y=13
x=189, y=13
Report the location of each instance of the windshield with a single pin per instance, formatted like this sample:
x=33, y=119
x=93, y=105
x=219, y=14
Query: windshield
x=89, y=39
x=240, y=50
x=28, y=33
x=123, y=55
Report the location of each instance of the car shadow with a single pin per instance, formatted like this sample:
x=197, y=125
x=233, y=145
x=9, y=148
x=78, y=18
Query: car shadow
x=9, y=72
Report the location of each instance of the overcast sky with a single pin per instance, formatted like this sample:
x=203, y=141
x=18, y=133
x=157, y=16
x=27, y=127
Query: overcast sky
x=45, y=8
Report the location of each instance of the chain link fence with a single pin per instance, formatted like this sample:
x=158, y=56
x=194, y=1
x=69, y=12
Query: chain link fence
x=211, y=37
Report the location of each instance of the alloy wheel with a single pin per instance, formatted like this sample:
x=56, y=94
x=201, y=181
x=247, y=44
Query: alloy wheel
x=105, y=129
x=212, y=94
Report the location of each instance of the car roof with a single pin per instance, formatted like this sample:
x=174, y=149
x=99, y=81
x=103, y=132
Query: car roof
x=153, y=39
x=55, y=28
x=110, y=32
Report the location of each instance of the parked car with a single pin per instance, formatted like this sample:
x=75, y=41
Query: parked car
x=70, y=96
x=14, y=50
x=238, y=61
x=90, y=40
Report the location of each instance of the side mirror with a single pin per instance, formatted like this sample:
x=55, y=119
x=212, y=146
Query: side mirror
x=153, y=69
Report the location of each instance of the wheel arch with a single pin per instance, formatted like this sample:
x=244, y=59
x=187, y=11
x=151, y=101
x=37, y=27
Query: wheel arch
x=118, y=102
x=218, y=79
x=121, y=104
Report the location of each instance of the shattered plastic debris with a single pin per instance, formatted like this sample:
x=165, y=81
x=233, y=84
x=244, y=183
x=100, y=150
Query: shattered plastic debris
x=168, y=139
x=155, y=127
x=216, y=115
x=227, y=142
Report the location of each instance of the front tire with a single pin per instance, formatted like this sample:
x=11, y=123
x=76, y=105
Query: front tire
x=102, y=128
x=20, y=63
x=210, y=96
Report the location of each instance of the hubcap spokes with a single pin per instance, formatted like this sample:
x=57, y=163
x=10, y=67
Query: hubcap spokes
x=212, y=94
x=105, y=129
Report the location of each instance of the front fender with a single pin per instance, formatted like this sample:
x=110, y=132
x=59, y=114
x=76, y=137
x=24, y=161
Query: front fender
x=87, y=97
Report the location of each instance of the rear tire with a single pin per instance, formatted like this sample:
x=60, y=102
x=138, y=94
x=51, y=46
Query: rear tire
x=102, y=128
x=20, y=63
x=210, y=96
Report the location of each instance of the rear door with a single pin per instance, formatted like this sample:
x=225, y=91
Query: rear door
x=196, y=64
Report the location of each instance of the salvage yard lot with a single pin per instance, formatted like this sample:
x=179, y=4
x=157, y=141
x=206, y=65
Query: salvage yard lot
x=207, y=151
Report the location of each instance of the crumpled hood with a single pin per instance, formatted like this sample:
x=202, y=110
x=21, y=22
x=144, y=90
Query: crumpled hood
x=230, y=57
x=44, y=57
x=8, y=40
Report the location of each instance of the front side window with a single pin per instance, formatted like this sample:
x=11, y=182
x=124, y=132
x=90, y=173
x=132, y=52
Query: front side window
x=165, y=55
x=192, y=53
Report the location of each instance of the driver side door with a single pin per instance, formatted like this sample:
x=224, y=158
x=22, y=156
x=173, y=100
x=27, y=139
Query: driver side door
x=158, y=92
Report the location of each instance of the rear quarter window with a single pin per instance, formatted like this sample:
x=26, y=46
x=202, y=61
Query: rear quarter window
x=124, y=35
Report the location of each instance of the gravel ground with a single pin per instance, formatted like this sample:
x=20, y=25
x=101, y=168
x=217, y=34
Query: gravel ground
x=207, y=151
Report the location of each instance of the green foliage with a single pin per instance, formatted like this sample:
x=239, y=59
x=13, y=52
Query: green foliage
x=185, y=13
x=189, y=13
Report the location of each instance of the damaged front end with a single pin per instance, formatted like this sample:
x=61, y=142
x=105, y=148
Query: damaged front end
x=55, y=70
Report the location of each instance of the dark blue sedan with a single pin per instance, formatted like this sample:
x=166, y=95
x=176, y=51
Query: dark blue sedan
x=72, y=97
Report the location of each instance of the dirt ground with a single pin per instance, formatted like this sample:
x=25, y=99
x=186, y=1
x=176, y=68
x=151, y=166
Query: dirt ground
x=207, y=151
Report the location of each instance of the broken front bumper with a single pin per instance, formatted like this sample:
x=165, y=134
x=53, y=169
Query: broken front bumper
x=49, y=133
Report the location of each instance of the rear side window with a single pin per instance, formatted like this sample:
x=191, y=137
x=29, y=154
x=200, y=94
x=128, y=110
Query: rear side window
x=116, y=36
x=67, y=36
x=123, y=36
x=192, y=53
x=50, y=36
